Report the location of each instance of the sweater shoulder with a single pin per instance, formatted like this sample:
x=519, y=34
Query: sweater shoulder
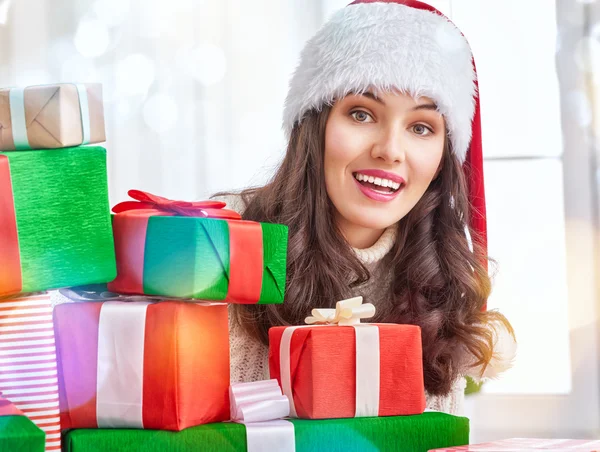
x=234, y=202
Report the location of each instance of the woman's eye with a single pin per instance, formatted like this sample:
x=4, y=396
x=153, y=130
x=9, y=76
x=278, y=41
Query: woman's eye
x=361, y=116
x=422, y=130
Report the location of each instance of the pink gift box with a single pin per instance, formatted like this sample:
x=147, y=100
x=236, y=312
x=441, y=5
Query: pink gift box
x=525, y=444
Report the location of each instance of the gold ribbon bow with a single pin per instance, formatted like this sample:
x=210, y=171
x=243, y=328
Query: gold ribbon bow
x=346, y=312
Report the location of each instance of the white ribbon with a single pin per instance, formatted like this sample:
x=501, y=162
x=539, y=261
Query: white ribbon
x=120, y=375
x=84, y=108
x=17, y=118
x=19, y=122
x=347, y=313
x=367, y=370
x=260, y=405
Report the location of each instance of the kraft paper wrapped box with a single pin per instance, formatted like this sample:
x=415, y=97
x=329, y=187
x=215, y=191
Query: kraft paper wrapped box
x=196, y=250
x=28, y=376
x=385, y=434
x=352, y=370
x=17, y=432
x=55, y=226
x=152, y=365
x=51, y=116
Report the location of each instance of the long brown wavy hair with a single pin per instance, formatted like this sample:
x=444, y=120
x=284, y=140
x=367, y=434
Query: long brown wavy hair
x=437, y=282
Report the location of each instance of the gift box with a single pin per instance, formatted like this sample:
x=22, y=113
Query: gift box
x=397, y=433
x=51, y=116
x=524, y=444
x=17, y=432
x=347, y=369
x=145, y=365
x=198, y=251
x=55, y=228
x=28, y=375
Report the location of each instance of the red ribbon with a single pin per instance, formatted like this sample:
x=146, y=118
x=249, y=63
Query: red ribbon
x=11, y=281
x=245, y=240
x=207, y=209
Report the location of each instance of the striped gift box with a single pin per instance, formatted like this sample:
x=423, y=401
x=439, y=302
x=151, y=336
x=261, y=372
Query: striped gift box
x=525, y=444
x=28, y=376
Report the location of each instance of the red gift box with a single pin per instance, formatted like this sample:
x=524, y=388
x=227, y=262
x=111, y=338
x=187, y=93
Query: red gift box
x=320, y=371
x=524, y=444
x=146, y=365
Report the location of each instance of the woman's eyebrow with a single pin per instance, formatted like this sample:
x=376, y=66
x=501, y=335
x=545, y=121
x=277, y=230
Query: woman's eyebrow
x=372, y=96
x=425, y=107
x=418, y=107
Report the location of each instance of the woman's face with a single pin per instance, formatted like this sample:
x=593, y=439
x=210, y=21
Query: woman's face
x=381, y=154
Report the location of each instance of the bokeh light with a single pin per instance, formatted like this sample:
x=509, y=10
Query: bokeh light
x=206, y=63
x=134, y=75
x=91, y=38
x=4, y=7
x=111, y=12
x=160, y=113
x=78, y=69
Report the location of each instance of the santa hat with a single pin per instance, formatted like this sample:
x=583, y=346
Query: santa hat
x=397, y=44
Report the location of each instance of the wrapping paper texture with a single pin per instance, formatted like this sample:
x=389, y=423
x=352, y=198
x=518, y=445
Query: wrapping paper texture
x=19, y=433
x=53, y=116
x=402, y=433
x=189, y=257
x=61, y=210
x=28, y=376
x=323, y=370
x=185, y=364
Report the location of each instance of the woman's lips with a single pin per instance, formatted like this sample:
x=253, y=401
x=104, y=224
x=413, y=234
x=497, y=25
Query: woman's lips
x=375, y=195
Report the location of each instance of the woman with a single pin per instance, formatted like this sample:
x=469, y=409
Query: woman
x=381, y=187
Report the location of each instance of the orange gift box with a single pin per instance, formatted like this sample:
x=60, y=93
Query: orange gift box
x=161, y=365
x=323, y=369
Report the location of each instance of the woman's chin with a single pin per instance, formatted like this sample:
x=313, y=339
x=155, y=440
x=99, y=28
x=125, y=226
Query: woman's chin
x=374, y=223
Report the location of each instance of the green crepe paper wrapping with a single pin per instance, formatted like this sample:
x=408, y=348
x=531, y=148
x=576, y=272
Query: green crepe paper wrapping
x=18, y=433
x=63, y=217
x=401, y=433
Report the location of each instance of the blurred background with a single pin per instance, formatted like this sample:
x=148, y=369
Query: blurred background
x=194, y=92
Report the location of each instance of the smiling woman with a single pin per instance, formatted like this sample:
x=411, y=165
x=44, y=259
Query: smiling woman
x=381, y=154
x=380, y=188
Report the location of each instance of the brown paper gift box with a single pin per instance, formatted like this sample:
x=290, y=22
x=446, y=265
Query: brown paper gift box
x=53, y=116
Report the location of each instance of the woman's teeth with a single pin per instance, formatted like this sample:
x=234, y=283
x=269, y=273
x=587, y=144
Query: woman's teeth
x=377, y=181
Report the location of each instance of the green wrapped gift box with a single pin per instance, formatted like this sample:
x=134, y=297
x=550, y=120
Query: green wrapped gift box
x=197, y=250
x=402, y=433
x=17, y=432
x=55, y=228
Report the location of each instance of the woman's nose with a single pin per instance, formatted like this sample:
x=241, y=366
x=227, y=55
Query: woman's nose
x=390, y=146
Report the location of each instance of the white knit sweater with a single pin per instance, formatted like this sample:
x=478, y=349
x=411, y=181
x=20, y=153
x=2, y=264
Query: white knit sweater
x=249, y=357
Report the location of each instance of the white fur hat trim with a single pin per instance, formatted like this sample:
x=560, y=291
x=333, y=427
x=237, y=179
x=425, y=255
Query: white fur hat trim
x=386, y=47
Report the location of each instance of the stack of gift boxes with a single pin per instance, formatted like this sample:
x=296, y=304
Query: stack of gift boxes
x=127, y=374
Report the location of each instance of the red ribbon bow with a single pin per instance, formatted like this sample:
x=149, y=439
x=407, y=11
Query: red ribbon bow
x=208, y=209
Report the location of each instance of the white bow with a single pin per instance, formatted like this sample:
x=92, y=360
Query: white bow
x=346, y=312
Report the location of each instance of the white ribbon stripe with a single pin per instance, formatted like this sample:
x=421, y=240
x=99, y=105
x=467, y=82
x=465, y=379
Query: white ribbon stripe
x=120, y=375
x=17, y=118
x=260, y=405
x=84, y=108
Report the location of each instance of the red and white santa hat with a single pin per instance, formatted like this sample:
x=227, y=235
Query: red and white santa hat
x=406, y=45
